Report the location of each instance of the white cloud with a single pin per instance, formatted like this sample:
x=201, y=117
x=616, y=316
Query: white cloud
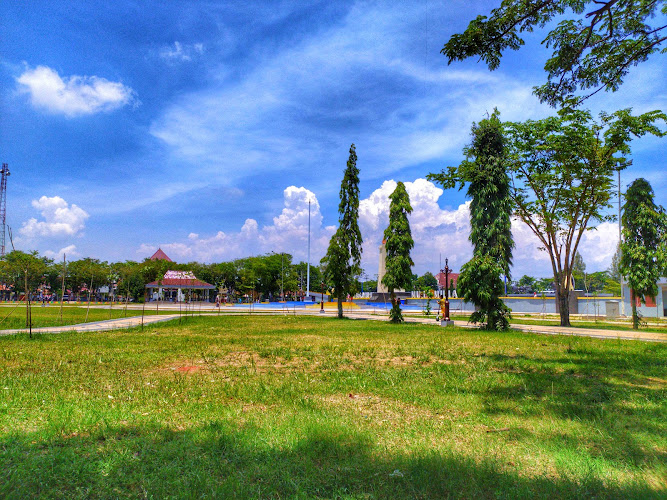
x=74, y=95
x=288, y=233
x=436, y=231
x=181, y=52
x=60, y=219
x=69, y=251
x=356, y=77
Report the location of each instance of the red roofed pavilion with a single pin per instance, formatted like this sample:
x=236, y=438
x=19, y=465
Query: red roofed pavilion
x=171, y=287
x=160, y=255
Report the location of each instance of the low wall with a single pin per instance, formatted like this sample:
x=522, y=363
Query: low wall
x=535, y=305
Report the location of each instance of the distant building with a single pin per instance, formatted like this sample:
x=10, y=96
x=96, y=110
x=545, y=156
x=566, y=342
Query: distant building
x=654, y=307
x=453, y=278
x=173, y=285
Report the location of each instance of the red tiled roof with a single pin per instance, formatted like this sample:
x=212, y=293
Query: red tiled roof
x=160, y=255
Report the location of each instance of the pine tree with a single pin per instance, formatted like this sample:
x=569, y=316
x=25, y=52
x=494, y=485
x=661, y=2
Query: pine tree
x=343, y=258
x=399, y=242
x=643, y=252
x=484, y=169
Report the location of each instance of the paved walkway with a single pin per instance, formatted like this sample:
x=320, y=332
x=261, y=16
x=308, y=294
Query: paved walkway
x=134, y=321
x=97, y=326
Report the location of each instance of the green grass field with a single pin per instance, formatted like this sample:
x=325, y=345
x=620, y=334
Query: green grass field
x=14, y=315
x=307, y=407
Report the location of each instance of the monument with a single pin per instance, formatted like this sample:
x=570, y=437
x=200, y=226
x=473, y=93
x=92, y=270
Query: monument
x=382, y=270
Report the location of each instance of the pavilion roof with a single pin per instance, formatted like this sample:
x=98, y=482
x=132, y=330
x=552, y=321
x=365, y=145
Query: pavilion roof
x=180, y=279
x=160, y=255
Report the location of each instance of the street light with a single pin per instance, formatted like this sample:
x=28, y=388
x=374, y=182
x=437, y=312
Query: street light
x=446, y=272
x=322, y=300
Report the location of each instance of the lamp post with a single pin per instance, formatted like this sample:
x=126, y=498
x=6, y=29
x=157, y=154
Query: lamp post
x=322, y=300
x=446, y=272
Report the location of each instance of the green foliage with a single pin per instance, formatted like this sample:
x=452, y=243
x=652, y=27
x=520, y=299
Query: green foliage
x=594, y=45
x=480, y=283
x=23, y=271
x=399, y=243
x=563, y=169
x=87, y=274
x=485, y=171
x=426, y=282
x=338, y=271
x=614, y=270
x=526, y=284
x=644, y=246
x=343, y=258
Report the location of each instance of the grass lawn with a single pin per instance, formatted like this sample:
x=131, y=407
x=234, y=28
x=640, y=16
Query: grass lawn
x=650, y=325
x=598, y=325
x=285, y=407
x=13, y=316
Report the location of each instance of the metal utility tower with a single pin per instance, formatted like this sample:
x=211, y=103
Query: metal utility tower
x=3, y=205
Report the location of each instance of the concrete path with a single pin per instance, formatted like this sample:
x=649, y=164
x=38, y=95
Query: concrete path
x=97, y=326
x=134, y=321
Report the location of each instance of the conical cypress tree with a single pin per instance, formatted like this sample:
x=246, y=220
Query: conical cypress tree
x=643, y=252
x=343, y=258
x=399, y=242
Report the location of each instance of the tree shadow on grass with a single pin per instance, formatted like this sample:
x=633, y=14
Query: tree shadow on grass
x=222, y=460
x=623, y=397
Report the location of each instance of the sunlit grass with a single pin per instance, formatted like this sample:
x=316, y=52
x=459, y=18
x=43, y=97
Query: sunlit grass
x=14, y=315
x=316, y=407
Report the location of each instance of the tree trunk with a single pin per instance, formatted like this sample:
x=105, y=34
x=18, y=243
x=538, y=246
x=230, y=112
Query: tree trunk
x=635, y=316
x=28, y=319
x=563, y=298
x=340, y=306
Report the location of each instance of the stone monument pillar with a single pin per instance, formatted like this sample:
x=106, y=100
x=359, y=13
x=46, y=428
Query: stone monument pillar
x=382, y=269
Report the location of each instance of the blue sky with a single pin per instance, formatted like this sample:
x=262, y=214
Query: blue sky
x=205, y=127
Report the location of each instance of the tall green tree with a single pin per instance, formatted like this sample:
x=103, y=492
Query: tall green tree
x=579, y=271
x=485, y=172
x=399, y=243
x=644, y=246
x=343, y=257
x=595, y=43
x=563, y=169
x=24, y=271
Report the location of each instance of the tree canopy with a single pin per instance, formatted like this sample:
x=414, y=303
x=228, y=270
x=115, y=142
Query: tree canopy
x=399, y=243
x=485, y=171
x=562, y=170
x=595, y=43
x=644, y=245
x=343, y=258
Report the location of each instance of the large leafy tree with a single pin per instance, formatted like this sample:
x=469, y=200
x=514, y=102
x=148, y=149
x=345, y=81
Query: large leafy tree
x=24, y=271
x=485, y=172
x=87, y=275
x=343, y=257
x=562, y=170
x=399, y=243
x=594, y=45
x=644, y=249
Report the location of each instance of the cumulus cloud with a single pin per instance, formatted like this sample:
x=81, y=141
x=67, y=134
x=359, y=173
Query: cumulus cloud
x=181, y=52
x=287, y=233
x=60, y=219
x=74, y=95
x=437, y=232
x=69, y=251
